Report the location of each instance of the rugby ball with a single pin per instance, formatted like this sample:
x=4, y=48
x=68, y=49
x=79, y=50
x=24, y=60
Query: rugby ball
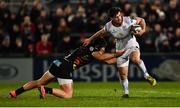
x=135, y=28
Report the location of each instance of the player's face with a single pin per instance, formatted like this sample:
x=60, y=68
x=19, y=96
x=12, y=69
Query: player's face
x=117, y=19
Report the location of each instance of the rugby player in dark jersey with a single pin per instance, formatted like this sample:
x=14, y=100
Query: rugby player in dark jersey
x=62, y=70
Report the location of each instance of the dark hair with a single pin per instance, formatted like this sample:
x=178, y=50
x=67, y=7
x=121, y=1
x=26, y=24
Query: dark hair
x=113, y=11
x=99, y=43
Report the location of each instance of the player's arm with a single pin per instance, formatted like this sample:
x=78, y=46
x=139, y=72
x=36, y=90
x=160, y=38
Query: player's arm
x=99, y=33
x=111, y=61
x=103, y=56
x=142, y=23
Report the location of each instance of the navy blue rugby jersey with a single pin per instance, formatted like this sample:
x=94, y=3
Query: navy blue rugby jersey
x=83, y=54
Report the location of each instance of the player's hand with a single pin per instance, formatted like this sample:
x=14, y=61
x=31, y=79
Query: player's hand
x=120, y=52
x=138, y=33
x=86, y=42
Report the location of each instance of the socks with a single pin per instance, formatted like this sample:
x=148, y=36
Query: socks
x=19, y=91
x=125, y=86
x=143, y=69
x=48, y=90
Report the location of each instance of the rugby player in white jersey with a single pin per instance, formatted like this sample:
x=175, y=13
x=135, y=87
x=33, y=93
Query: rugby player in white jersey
x=120, y=28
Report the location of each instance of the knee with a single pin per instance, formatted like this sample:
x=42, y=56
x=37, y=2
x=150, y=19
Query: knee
x=123, y=75
x=68, y=95
x=135, y=60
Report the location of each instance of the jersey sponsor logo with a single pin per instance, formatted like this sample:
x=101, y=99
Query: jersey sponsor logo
x=57, y=62
x=74, y=66
x=8, y=71
x=91, y=48
x=120, y=34
x=124, y=27
x=78, y=61
x=85, y=57
x=114, y=31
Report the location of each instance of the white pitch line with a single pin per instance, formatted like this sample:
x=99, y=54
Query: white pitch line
x=159, y=92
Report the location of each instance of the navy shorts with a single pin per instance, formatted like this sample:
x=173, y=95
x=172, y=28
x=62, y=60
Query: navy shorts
x=61, y=69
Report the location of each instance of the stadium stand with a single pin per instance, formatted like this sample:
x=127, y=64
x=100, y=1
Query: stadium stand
x=63, y=24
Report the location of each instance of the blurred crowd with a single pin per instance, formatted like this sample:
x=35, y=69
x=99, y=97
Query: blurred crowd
x=60, y=28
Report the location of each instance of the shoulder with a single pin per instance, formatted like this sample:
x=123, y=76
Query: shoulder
x=130, y=20
x=127, y=19
x=108, y=26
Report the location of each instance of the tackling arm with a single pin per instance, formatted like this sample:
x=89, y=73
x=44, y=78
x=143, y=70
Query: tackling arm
x=100, y=33
x=111, y=61
x=109, y=58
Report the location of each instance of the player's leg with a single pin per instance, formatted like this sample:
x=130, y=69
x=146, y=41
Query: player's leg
x=122, y=64
x=65, y=90
x=32, y=84
x=123, y=74
x=135, y=58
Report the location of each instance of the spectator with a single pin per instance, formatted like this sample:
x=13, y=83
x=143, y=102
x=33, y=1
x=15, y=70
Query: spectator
x=66, y=45
x=44, y=46
x=35, y=11
x=90, y=7
x=68, y=14
x=148, y=40
x=173, y=7
x=28, y=44
x=79, y=21
x=104, y=5
x=143, y=9
x=14, y=33
x=127, y=10
x=103, y=19
x=23, y=11
x=48, y=27
x=5, y=47
x=161, y=42
x=58, y=15
x=93, y=22
x=4, y=13
x=62, y=29
x=27, y=27
x=18, y=47
x=176, y=43
x=39, y=31
x=43, y=17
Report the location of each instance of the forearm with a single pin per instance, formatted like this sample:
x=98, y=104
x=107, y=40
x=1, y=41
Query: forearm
x=142, y=24
x=107, y=56
x=100, y=33
x=111, y=61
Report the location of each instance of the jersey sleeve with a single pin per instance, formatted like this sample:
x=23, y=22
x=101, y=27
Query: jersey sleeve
x=107, y=26
x=133, y=20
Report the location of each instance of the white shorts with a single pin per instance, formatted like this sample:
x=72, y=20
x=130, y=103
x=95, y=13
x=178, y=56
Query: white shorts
x=132, y=45
x=61, y=81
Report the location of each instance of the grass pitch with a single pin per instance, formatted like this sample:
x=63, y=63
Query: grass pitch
x=165, y=94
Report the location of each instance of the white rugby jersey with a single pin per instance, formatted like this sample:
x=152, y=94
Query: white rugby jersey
x=121, y=33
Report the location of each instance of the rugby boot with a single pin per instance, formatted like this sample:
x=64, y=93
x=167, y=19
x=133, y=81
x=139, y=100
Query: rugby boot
x=125, y=96
x=151, y=80
x=42, y=92
x=13, y=94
